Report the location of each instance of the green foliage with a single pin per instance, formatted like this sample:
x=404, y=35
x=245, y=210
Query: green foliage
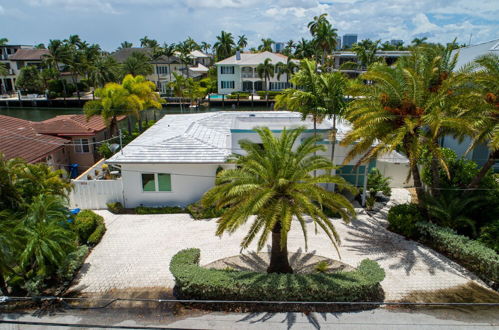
x=472, y=254
x=403, y=218
x=240, y=95
x=115, y=207
x=195, y=282
x=489, y=235
x=72, y=263
x=321, y=266
x=137, y=64
x=198, y=211
x=89, y=226
x=29, y=80
x=159, y=210
x=105, y=151
x=378, y=183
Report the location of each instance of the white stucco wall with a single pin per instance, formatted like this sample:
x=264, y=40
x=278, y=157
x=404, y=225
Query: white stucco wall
x=188, y=181
x=397, y=172
x=236, y=77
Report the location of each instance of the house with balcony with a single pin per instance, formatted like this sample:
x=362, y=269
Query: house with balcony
x=238, y=73
x=348, y=56
x=7, y=52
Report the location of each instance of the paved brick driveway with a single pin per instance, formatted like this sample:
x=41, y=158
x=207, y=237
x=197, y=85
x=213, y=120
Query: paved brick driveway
x=136, y=251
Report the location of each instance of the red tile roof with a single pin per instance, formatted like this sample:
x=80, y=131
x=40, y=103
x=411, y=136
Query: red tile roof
x=26, y=54
x=18, y=139
x=72, y=125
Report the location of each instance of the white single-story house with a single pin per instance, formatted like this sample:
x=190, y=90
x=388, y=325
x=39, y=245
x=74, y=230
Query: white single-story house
x=238, y=73
x=176, y=160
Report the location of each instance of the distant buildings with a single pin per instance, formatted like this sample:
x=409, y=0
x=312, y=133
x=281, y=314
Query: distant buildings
x=279, y=47
x=15, y=57
x=396, y=42
x=338, y=43
x=349, y=40
x=238, y=73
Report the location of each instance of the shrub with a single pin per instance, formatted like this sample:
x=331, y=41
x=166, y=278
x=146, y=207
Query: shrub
x=234, y=96
x=72, y=263
x=402, y=219
x=159, y=210
x=472, y=254
x=322, y=266
x=89, y=226
x=115, y=207
x=198, y=211
x=270, y=94
x=489, y=235
x=195, y=282
x=377, y=182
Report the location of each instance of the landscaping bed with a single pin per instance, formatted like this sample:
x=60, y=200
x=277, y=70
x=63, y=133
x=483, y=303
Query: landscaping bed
x=196, y=210
x=199, y=283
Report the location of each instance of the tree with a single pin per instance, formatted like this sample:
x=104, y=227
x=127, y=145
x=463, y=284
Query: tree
x=287, y=68
x=40, y=46
x=304, y=49
x=148, y=43
x=205, y=47
x=184, y=50
x=486, y=82
x=418, y=41
x=273, y=182
x=3, y=41
x=3, y=70
x=137, y=64
x=132, y=96
x=265, y=71
x=324, y=35
x=289, y=48
x=266, y=45
x=105, y=69
x=366, y=52
x=169, y=51
x=224, y=47
x=242, y=42
x=59, y=53
x=9, y=247
x=29, y=80
x=125, y=44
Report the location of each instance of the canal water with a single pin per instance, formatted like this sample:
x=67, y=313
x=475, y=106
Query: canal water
x=40, y=114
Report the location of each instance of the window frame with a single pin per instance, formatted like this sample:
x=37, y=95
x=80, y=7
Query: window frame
x=156, y=183
x=79, y=146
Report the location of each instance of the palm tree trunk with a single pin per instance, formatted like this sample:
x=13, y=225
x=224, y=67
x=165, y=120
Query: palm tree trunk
x=113, y=126
x=493, y=156
x=417, y=182
x=279, y=262
x=333, y=143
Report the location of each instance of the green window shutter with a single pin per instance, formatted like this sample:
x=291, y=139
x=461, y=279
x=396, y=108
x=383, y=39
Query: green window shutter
x=164, y=182
x=148, y=182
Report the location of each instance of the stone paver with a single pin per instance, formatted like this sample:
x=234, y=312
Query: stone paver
x=136, y=251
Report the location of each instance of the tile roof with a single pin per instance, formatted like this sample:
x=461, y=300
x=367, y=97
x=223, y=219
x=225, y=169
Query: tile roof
x=18, y=139
x=70, y=125
x=204, y=137
x=254, y=58
x=122, y=54
x=25, y=54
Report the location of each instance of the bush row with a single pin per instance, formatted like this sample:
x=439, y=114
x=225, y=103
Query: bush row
x=268, y=94
x=90, y=227
x=195, y=282
x=196, y=210
x=472, y=254
x=241, y=95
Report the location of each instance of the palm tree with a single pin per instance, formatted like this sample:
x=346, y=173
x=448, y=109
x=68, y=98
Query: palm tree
x=105, y=69
x=205, y=47
x=242, y=42
x=144, y=42
x=288, y=49
x=324, y=35
x=266, y=45
x=3, y=41
x=178, y=86
x=137, y=64
x=265, y=71
x=58, y=53
x=304, y=49
x=418, y=41
x=47, y=242
x=125, y=44
x=224, y=47
x=132, y=96
x=287, y=68
x=486, y=78
x=273, y=182
x=169, y=51
x=184, y=54
x=366, y=52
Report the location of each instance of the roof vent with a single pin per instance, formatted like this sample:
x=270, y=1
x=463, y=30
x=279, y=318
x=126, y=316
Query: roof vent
x=238, y=55
x=252, y=115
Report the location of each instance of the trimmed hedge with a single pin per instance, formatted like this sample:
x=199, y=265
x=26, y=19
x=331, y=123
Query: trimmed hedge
x=234, y=96
x=159, y=210
x=89, y=226
x=402, y=219
x=195, y=282
x=472, y=254
x=270, y=94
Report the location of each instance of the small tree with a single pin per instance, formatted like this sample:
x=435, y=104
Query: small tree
x=29, y=80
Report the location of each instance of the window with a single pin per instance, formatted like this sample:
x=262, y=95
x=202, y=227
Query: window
x=156, y=182
x=227, y=70
x=227, y=84
x=162, y=69
x=81, y=145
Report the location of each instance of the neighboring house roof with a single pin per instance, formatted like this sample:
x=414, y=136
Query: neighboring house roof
x=206, y=137
x=198, y=54
x=199, y=68
x=18, y=139
x=381, y=53
x=122, y=54
x=71, y=125
x=254, y=58
x=26, y=54
x=470, y=53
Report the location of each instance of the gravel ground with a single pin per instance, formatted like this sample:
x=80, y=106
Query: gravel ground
x=136, y=251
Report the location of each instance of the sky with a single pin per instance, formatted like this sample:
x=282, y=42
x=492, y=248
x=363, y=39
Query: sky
x=109, y=22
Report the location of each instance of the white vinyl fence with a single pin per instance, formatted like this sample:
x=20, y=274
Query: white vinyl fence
x=95, y=194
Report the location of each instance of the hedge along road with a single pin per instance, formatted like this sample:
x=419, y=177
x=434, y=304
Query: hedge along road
x=136, y=251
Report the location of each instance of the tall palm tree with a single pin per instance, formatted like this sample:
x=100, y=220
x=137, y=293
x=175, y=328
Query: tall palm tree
x=137, y=64
x=105, y=69
x=125, y=44
x=366, y=52
x=304, y=49
x=184, y=50
x=274, y=183
x=178, y=86
x=265, y=71
x=316, y=22
x=266, y=45
x=287, y=68
x=224, y=47
x=169, y=51
x=205, y=47
x=324, y=35
x=242, y=42
x=486, y=79
x=418, y=41
x=132, y=96
x=59, y=53
x=144, y=42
